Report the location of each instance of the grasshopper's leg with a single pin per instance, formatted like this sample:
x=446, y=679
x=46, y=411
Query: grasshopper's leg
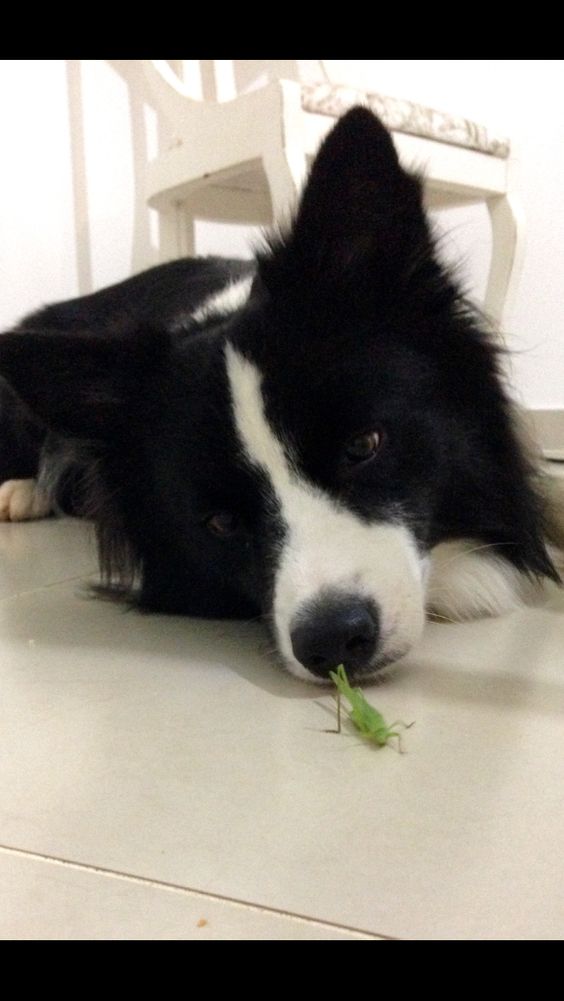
x=400, y=722
x=338, y=730
x=394, y=733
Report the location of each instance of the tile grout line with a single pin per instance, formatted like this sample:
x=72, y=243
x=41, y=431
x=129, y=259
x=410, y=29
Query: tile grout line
x=177, y=888
x=44, y=587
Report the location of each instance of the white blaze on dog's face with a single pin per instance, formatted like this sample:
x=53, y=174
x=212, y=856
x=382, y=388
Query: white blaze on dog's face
x=328, y=553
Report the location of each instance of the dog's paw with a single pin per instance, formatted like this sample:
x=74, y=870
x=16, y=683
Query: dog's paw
x=22, y=500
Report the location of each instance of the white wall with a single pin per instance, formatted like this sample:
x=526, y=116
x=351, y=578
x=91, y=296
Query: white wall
x=37, y=256
x=76, y=136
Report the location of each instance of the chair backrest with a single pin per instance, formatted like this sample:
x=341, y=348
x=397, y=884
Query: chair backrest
x=173, y=82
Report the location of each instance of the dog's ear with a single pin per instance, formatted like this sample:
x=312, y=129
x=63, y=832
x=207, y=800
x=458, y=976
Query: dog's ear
x=79, y=384
x=359, y=223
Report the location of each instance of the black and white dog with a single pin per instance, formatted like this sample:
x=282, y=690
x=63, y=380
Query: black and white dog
x=320, y=436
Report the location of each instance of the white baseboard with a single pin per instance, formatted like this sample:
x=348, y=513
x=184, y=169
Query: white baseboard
x=547, y=427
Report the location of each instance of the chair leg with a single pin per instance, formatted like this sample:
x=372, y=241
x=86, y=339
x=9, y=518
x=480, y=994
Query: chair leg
x=186, y=232
x=286, y=173
x=176, y=234
x=168, y=235
x=507, y=222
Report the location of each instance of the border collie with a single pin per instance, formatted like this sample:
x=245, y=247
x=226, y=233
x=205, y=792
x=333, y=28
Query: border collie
x=320, y=436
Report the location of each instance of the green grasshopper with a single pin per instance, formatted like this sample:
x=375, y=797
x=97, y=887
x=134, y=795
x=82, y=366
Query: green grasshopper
x=367, y=720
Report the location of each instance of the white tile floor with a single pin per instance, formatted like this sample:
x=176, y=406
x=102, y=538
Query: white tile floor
x=164, y=778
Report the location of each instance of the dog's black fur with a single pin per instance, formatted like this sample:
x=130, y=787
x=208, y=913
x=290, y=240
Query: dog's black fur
x=353, y=324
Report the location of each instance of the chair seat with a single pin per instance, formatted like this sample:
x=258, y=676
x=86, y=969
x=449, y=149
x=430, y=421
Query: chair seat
x=404, y=116
x=244, y=160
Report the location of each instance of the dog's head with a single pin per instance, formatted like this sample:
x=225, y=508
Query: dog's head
x=299, y=453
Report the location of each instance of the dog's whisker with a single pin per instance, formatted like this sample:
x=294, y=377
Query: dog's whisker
x=475, y=549
x=443, y=618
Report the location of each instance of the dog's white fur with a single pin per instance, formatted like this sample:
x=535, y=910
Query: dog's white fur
x=467, y=580
x=227, y=300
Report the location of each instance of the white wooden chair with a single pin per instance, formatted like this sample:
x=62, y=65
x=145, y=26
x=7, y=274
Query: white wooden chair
x=244, y=159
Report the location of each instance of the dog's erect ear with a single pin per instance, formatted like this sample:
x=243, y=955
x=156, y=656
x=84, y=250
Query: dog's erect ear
x=79, y=384
x=360, y=218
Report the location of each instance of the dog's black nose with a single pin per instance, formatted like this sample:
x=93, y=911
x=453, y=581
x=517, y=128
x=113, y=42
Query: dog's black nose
x=336, y=631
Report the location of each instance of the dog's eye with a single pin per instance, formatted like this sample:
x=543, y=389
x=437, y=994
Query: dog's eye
x=362, y=447
x=222, y=523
